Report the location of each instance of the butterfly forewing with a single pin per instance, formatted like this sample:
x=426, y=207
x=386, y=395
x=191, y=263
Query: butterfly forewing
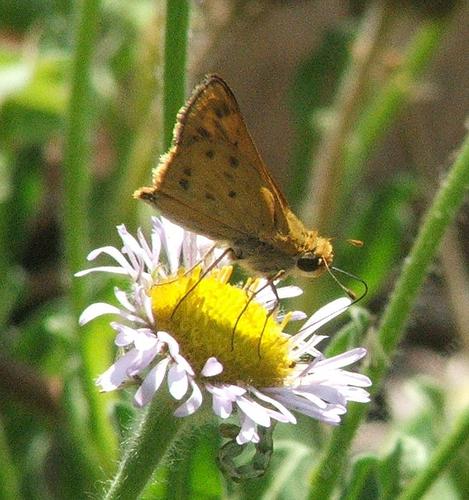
x=213, y=171
x=213, y=181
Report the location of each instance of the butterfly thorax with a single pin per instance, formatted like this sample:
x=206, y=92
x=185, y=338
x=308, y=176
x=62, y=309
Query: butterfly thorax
x=306, y=253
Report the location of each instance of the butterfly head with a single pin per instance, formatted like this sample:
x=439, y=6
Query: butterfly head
x=316, y=259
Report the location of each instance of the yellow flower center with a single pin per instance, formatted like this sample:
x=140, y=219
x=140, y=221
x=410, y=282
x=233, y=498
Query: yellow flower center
x=209, y=317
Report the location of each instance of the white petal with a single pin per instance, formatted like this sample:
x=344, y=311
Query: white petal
x=145, y=340
x=189, y=250
x=297, y=315
x=172, y=344
x=147, y=254
x=333, y=395
x=212, y=367
x=221, y=391
x=234, y=390
x=173, y=238
x=95, y=310
x=156, y=249
x=297, y=403
x=130, y=242
x=315, y=399
x=254, y=411
x=121, y=296
x=192, y=404
x=309, y=348
x=112, y=252
x=125, y=334
x=184, y=364
x=147, y=306
x=341, y=360
x=102, y=269
x=177, y=381
x=116, y=374
x=356, y=394
x=222, y=407
x=321, y=317
x=337, y=378
x=287, y=292
x=248, y=432
x=358, y=379
x=151, y=383
x=267, y=296
x=142, y=362
x=132, y=249
x=291, y=418
x=226, y=391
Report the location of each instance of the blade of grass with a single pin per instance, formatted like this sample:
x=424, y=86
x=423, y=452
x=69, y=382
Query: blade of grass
x=175, y=61
x=157, y=429
x=440, y=215
x=77, y=183
x=9, y=484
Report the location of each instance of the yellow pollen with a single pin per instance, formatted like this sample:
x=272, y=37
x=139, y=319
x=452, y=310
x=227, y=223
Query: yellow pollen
x=204, y=320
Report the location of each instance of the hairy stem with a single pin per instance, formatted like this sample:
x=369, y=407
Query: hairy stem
x=440, y=215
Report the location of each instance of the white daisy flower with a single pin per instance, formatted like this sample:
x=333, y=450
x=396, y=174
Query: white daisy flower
x=193, y=330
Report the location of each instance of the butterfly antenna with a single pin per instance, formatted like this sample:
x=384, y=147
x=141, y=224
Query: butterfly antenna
x=349, y=292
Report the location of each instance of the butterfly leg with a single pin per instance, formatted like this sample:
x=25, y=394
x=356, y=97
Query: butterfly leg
x=203, y=260
x=191, y=269
x=202, y=276
x=270, y=283
x=274, y=309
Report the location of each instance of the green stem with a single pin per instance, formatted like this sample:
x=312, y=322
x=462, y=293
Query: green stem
x=386, y=105
x=77, y=150
x=77, y=183
x=441, y=458
x=439, y=216
x=148, y=446
x=177, y=31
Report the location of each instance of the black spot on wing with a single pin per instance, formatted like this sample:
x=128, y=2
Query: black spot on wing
x=204, y=133
x=222, y=110
x=234, y=162
x=184, y=183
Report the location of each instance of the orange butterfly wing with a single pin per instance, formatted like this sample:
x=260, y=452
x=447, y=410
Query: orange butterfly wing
x=212, y=180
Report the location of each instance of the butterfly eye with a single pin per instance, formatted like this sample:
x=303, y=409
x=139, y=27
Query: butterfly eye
x=309, y=263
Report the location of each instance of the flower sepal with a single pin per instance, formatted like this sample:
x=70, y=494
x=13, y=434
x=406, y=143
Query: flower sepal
x=259, y=462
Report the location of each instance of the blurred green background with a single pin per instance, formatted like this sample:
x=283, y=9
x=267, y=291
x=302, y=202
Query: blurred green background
x=288, y=63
